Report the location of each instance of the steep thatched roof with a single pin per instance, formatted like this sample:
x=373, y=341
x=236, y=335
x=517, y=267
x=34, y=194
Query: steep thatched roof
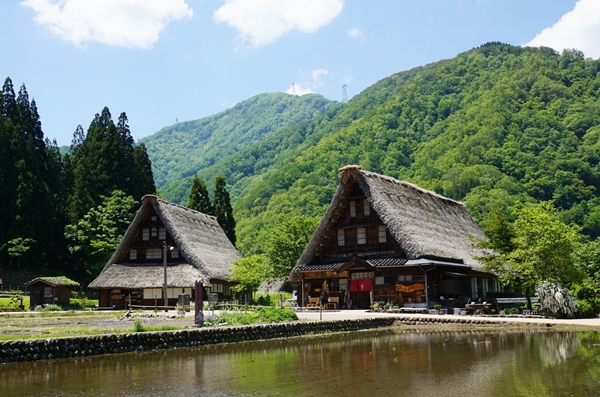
x=207, y=251
x=54, y=281
x=425, y=224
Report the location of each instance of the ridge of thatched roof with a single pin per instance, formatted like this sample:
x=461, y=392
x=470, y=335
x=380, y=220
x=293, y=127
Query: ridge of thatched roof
x=424, y=223
x=199, y=238
x=54, y=281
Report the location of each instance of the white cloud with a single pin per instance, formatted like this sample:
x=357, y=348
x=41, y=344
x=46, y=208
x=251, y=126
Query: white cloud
x=579, y=29
x=300, y=89
x=261, y=22
x=309, y=87
x=317, y=74
x=356, y=33
x=118, y=23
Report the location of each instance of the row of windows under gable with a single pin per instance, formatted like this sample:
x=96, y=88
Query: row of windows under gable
x=154, y=233
x=151, y=254
x=361, y=235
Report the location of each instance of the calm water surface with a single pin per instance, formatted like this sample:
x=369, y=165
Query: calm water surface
x=375, y=363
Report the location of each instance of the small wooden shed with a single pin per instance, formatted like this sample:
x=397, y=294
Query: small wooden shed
x=50, y=290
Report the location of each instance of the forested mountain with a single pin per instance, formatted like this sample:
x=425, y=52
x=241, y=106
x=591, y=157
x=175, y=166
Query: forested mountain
x=180, y=150
x=493, y=126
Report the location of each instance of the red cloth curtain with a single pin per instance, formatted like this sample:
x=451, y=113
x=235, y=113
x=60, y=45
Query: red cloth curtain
x=361, y=285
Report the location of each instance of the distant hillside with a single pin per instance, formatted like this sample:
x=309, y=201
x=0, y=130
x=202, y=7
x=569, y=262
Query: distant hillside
x=495, y=125
x=182, y=149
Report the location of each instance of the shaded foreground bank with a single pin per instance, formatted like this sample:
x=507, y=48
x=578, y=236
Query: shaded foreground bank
x=52, y=348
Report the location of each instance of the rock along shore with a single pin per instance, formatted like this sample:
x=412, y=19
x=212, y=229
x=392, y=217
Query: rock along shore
x=53, y=348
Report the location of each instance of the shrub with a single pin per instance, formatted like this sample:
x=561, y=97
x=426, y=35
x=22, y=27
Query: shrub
x=278, y=315
x=137, y=326
x=588, y=305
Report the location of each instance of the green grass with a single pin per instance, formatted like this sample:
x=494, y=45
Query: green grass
x=9, y=302
x=269, y=315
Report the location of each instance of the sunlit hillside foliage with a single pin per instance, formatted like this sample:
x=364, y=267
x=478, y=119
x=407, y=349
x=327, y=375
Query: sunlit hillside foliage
x=492, y=126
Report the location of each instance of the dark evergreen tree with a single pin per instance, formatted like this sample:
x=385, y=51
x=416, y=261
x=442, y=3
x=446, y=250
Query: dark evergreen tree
x=9, y=102
x=29, y=212
x=143, y=179
x=198, y=198
x=222, y=208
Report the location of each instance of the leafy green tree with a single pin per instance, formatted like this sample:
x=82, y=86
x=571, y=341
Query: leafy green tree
x=250, y=272
x=587, y=259
x=94, y=238
x=16, y=248
x=198, y=198
x=499, y=231
x=222, y=208
x=542, y=248
x=287, y=241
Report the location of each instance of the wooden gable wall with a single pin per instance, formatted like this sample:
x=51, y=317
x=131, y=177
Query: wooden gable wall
x=355, y=228
x=148, y=242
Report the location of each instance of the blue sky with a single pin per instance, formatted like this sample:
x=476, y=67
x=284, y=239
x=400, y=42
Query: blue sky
x=167, y=60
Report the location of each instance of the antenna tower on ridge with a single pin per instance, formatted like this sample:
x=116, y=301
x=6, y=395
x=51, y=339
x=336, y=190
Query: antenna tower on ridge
x=344, y=93
x=293, y=90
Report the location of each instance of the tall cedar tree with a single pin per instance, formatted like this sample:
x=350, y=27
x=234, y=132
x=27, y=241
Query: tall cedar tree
x=143, y=179
x=222, y=208
x=27, y=216
x=104, y=160
x=198, y=198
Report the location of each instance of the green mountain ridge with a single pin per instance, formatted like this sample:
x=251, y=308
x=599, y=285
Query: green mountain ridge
x=180, y=150
x=494, y=126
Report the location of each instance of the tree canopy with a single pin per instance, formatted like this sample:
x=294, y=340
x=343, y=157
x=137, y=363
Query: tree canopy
x=542, y=248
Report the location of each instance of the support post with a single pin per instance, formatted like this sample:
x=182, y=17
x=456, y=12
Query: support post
x=198, y=299
x=165, y=276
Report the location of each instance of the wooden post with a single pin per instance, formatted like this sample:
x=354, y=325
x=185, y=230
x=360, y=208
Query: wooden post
x=165, y=276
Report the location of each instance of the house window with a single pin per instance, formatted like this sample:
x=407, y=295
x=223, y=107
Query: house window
x=175, y=253
x=154, y=218
x=352, y=209
x=162, y=233
x=341, y=238
x=153, y=232
x=361, y=235
x=132, y=255
x=153, y=293
x=381, y=234
x=145, y=234
x=47, y=292
x=153, y=253
x=366, y=207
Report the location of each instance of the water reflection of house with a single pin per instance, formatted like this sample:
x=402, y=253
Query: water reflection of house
x=196, y=248
x=382, y=239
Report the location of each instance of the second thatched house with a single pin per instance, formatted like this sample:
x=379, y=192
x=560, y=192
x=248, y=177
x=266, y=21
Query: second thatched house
x=385, y=240
x=193, y=244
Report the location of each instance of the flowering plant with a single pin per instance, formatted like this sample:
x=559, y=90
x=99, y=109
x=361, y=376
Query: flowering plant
x=556, y=298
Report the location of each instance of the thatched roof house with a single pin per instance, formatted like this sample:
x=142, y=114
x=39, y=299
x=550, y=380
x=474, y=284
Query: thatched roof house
x=379, y=225
x=198, y=249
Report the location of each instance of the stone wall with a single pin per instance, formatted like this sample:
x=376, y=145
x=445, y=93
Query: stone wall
x=45, y=349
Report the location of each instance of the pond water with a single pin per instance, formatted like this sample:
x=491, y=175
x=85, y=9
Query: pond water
x=373, y=363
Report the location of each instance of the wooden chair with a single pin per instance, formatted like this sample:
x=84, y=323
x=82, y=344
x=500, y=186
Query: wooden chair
x=333, y=303
x=314, y=303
